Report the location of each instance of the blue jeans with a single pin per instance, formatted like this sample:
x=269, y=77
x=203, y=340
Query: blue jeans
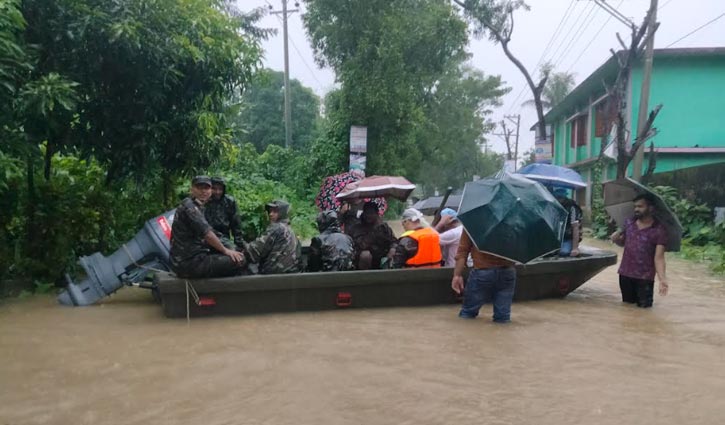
x=489, y=285
x=566, y=247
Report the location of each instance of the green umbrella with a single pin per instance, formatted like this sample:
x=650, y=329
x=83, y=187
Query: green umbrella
x=512, y=217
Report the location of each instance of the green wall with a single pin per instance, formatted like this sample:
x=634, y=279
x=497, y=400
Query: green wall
x=691, y=92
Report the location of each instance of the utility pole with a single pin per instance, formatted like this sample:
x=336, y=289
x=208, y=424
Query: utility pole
x=646, y=74
x=516, y=121
x=644, y=92
x=287, y=108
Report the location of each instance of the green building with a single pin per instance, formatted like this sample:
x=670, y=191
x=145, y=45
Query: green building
x=690, y=144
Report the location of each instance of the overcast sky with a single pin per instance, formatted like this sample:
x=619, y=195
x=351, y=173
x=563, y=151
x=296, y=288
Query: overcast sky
x=580, y=46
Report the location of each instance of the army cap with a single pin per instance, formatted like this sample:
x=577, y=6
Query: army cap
x=198, y=180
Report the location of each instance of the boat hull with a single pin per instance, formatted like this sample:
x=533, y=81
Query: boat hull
x=547, y=278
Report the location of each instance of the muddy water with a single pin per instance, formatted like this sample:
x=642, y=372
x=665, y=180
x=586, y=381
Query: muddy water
x=585, y=359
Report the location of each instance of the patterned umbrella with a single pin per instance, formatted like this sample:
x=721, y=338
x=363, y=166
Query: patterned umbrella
x=378, y=186
x=326, y=199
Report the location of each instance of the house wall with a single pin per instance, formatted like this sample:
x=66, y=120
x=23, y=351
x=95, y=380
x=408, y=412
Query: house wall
x=690, y=90
x=693, y=114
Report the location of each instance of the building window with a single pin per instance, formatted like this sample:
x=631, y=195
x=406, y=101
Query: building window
x=579, y=131
x=605, y=115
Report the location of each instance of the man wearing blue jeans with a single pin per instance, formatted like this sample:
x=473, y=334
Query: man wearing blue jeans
x=493, y=280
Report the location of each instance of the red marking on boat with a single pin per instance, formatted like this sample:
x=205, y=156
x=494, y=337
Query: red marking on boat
x=344, y=299
x=207, y=302
x=564, y=285
x=165, y=227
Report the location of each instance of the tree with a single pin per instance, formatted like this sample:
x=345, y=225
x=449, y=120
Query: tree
x=152, y=79
x=495, y=19
x=262, y=115
x=389, y=57
x=458, y=114
x=529, y=157
x=558, y=86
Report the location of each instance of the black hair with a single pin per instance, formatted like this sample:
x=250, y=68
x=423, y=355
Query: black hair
x=647, y=197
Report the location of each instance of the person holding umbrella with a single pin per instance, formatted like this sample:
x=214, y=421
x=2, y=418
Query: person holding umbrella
x=644, y=239
x=507, y=218
x=493, y=279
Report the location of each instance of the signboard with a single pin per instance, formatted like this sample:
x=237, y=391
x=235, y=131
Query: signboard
x=542, y=150
x=358, y=139
x=509, y=165
x=358, y=146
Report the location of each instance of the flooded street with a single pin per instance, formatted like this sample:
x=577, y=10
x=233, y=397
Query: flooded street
x=584, y=359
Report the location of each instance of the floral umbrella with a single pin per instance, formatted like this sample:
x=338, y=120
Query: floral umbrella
x=332, y=185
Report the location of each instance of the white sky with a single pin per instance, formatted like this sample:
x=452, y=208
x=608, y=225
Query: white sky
x=571, y=49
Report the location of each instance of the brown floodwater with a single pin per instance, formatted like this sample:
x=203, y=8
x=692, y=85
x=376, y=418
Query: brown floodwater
x=586, y=359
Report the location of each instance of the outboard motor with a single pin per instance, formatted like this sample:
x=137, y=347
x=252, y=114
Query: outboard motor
x=148, y=250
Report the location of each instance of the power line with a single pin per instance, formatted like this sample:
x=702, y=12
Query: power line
x=695, y=30
x=566, y=38
x=294, y=46
x=577, y=34
x=320, y=85
x=592, y=40
x=663, y=6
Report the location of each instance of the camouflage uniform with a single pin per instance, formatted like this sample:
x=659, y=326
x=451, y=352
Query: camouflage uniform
x=190, y=256
x=277, y=250
x=377, y=238
x=331, y=250
x=223, y=216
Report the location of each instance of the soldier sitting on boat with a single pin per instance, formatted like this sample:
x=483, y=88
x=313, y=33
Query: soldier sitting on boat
x=332, y=250
x=277, y=250
x=222, y=214
x=373, y=239
x=196, y=251
x=419, y=245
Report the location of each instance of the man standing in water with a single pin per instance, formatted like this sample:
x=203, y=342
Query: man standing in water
x=196, y=251
x=644, y=240
x=493, y=279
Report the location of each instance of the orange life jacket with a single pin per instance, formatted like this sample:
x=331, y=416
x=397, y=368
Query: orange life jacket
x=429, y=248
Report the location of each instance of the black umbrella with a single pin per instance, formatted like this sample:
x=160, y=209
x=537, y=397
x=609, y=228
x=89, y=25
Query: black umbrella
x=429, y=206
x=618, y=197
x=512, y=217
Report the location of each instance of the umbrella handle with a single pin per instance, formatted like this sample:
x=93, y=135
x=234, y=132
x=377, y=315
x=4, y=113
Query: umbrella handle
x=437, y=215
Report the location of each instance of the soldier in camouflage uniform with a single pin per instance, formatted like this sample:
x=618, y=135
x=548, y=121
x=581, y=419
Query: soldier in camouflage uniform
x=221, y=213
x=278, y=250
x=196, y=251
x=332, y=250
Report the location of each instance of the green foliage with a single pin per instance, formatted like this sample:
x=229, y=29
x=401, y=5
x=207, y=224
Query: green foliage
x=696, y=219
x=702, y=240
x=557, y=87
x=74, y=214
x=600, y=219
x=261, y=119
x=389, y=56
x=278, y=173
x=152, y=78
x=457, y=117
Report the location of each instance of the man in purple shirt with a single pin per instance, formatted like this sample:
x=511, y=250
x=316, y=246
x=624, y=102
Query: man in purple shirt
x=644, y=240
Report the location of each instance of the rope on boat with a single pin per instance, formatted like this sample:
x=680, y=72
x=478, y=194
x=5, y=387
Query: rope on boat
x=194, y=294
x=130, y=257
